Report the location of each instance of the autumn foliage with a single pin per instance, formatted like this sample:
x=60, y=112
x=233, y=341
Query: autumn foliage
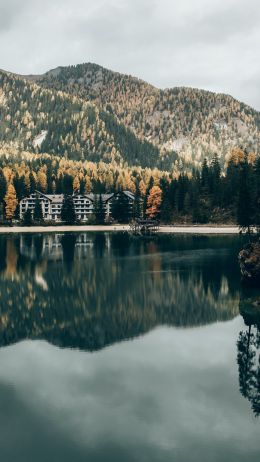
x=154, y=202
x=10, y=201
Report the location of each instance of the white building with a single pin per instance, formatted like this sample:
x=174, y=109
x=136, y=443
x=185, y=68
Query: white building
x=83, y=204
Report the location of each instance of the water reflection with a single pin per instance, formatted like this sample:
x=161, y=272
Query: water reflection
x=171, y=395
x=90, y=290
x=248, y=351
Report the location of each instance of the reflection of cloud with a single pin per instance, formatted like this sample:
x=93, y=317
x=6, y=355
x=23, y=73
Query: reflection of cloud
x=165, y=394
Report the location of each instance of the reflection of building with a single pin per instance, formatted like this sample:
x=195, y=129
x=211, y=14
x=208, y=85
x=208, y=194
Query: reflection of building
x=83, y=203
x=49, y=246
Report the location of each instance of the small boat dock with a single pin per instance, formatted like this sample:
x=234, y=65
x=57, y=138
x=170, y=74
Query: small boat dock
x=144, y=227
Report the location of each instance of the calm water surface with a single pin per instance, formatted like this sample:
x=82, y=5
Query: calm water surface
x=119, y=349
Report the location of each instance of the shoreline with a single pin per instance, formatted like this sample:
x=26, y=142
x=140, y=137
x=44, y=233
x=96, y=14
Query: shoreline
x=103, y=228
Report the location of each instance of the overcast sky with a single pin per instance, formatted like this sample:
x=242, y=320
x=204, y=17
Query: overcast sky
x=210, y=44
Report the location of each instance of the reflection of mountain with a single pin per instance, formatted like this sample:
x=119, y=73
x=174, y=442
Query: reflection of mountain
x=105, y=288
x=248, y=350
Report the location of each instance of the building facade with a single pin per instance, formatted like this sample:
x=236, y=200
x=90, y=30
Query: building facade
x=84, y=204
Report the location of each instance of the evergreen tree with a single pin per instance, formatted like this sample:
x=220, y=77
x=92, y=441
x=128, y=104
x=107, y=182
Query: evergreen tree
x=49, y=179
x=27, y=218
x=245, y=209
x=20, y=186
x=147, y=192
x=182, y=190
x=67, y=185
x=137, y=205
x=32, y=184
x=38, y=214
x=166, y=209
x=68, y=214
x=3, y=186
x=215, y=187
x=205, y=177
x=120, y=209
x=257, y=194
x=99, y=210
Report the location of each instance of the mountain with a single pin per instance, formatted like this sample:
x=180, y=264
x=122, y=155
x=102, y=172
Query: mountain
x=191, y=122
x=45, y=120
x=89, y=112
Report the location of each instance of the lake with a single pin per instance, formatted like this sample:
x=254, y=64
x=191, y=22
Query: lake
x=122, y=349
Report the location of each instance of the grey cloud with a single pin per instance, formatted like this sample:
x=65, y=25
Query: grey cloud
x=212, y=45
x=9, y=11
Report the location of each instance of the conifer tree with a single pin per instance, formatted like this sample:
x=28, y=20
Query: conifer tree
x=147, y=192
x=42, y=181
x=67, y=184
x=32, y=183
x=245, y=209
x=38, y=214
x=166, y=209
x=27, y=218
x=76, y=185
x=10, y=202
x=137, y=205
x=215, y=172
x=3, y=186
x=205, y=177
x=99, y=210
x=20, y=186
x=68, y=214
x=154, y=202
x=120, y=209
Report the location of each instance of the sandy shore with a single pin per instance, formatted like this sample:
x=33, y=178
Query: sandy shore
x=81, y=229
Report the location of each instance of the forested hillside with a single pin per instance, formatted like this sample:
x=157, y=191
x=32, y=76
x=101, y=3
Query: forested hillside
x=193, y=123
x=199, y=198
x=88, y=112
x=99, y=131
x=41, y=120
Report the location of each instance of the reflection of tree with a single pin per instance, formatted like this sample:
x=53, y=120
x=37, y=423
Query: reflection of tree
x=99, y=245
x=248, y=360
x=38, y=244
x=117, y=288
x=2, y=253
x=68, y=242
x=120, y=243
x=11, y=259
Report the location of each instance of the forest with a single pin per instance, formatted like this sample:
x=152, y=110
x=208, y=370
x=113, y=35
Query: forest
x=211, y=195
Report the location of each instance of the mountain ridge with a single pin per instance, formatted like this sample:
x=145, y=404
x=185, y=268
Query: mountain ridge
x=56, y=70
x=74, y=128
x=183, y=124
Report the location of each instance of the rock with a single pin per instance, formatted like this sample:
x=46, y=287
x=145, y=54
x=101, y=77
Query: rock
x=249, y=261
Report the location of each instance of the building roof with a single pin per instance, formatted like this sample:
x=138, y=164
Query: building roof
x=58, y=198
x=55, y=198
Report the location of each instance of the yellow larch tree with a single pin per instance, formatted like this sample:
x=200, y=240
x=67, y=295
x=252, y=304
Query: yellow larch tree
x=11, y=202
x=88, y=185
x=76, y=184
x=154, y=202
x=42, y=180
